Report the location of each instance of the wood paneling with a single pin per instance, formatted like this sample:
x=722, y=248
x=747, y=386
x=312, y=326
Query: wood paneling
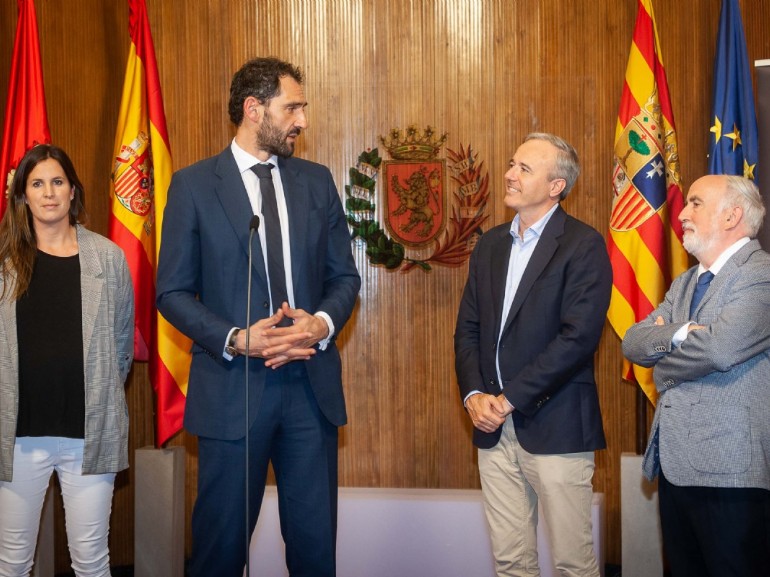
x=485, y=71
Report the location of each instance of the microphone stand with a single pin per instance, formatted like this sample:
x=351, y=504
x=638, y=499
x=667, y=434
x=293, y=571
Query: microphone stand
x=253, y=226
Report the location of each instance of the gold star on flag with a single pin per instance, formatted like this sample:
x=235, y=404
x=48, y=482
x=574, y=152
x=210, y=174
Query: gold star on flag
x=735, y=136
x=717, y=129
x=748, y=169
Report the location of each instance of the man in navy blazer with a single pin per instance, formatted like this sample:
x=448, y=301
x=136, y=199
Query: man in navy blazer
x=528, y=326
x=709, y=344
x=295, y=398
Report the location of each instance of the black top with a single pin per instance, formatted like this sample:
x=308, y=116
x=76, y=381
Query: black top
x=49, y=330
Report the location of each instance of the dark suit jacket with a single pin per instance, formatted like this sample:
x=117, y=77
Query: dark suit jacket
x=551, y=334
x=202, y=281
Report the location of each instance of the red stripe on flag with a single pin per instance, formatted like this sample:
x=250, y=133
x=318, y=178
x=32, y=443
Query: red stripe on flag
x=644, y=37
x=170, y=401
x=26, y=119
x=144, y=292
x=652, y=233
x=629, y=107
x=624, y=280
x=663, y=95
x=675, y=202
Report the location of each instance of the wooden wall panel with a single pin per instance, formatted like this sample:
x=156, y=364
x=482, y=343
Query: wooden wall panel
x=487, y=72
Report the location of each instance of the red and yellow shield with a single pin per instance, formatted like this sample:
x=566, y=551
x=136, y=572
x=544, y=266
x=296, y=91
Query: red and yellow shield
x=415, y=203
x=132, y=177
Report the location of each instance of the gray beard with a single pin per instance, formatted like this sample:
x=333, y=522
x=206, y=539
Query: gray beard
x=696, y=245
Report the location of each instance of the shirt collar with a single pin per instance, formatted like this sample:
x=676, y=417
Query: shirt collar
x=725, y=256
x=245, y=160
x=537, y=228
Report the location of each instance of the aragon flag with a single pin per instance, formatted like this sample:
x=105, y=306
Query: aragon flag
x=26, y=120
x=141, y=174
x=645, y=240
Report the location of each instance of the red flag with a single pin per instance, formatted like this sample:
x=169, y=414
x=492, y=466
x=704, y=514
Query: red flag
x=141, y=175
x=645, y=241
x=26, y=120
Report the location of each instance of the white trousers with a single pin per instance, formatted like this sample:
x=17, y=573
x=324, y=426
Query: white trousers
x=512, y=482
x=87, y=506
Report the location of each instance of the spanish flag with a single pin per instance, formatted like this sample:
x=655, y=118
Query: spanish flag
x=141, y=173
x=645, y=240
x=26, y=120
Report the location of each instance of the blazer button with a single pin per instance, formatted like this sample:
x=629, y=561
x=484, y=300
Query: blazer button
x=266, y=305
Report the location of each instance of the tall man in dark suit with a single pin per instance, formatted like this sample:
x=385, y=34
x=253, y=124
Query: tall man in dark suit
x=529, y=323
x=305, y=285
x=709, y=344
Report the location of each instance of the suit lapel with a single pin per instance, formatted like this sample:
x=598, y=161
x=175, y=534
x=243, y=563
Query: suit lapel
x=732, y=265
x=499, y=273
x=295, y=191
x=91, y=287
x=235, y=203
x=544, y=251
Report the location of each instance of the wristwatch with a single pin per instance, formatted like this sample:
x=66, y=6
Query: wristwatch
x=230, y=347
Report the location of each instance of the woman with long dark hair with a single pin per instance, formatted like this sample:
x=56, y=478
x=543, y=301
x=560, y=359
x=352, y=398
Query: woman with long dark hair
x=66, y=346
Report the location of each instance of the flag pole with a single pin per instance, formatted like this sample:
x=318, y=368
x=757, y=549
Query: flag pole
x=641, y=421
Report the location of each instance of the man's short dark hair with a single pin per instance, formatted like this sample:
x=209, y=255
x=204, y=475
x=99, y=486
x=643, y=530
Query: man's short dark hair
x=260, y=78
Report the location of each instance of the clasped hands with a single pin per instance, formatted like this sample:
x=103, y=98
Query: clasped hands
x=488, y=412
x=281, y=345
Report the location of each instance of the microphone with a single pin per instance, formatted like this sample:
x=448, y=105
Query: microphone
x=253, y=226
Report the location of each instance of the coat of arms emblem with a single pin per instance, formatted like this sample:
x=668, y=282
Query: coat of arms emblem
x=132, y=176
x=646, y=168
x=416, y=205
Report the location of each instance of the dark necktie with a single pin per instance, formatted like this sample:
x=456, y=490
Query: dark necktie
x=700, y=289
x=275, y=267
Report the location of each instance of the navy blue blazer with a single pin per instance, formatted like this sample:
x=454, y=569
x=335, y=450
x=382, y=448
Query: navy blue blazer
x=202, y=281
x=550, y=336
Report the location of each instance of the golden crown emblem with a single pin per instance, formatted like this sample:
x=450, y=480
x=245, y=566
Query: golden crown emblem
x=413, y=144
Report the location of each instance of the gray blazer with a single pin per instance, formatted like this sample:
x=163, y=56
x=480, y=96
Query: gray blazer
x=108, y=330
x=712, y=422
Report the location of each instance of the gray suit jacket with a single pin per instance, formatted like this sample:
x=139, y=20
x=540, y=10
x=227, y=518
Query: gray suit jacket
x=712, y=422
x=108, y=343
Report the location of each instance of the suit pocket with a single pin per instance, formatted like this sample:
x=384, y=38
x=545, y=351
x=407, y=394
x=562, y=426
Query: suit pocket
x=720, y=438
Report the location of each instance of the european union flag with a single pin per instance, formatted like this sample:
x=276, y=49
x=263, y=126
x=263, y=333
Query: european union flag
x=733, y=146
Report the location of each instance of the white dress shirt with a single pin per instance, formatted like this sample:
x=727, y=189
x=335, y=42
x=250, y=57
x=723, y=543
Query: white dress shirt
x=521, y=252
x=245, y=161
